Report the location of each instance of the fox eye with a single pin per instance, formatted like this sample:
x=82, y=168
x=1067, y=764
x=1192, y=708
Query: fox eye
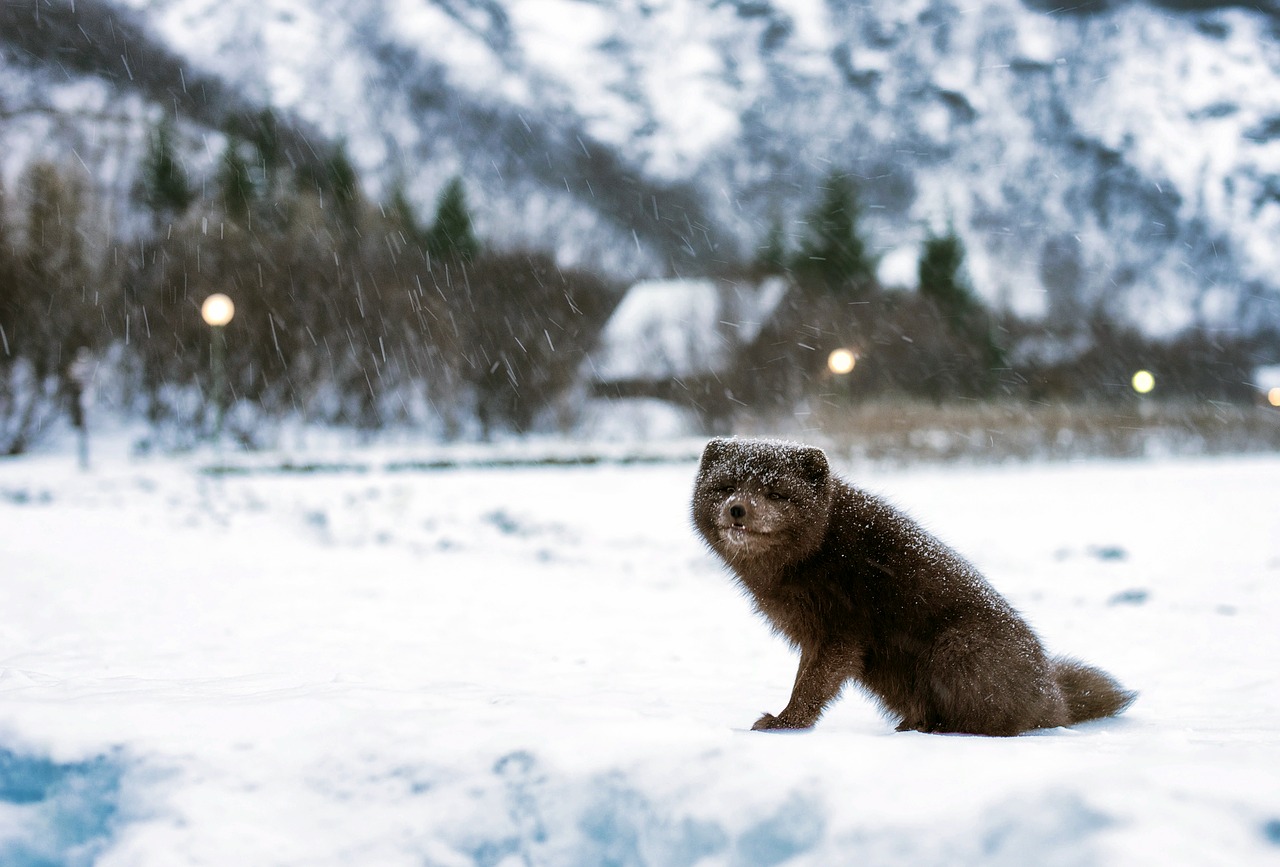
x=778, y=495
x=726, y=490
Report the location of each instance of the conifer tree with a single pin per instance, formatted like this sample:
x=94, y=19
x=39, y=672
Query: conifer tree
x=261, y=132
x=264, y=134
x=343, y=183
x=236, y=184
x=833, y=254
x=941, y=275
x=772, y=258
x=451, y=235
x=334, y=178
x=165, y=187
x=942, y=280
x=403, y=218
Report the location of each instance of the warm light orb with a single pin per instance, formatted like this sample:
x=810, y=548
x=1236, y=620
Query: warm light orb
x=1143, y=382
x=1273, y=396
x=841, y=361
x=217, y=310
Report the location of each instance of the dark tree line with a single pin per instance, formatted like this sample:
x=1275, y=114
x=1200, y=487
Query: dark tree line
x=348, y=311
x=59, y=298
x=361, y=314
x=941, y=342
x=357, y=313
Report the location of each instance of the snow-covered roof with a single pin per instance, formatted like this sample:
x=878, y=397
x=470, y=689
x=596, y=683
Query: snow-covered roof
x=1267, y=377
x=678, y=328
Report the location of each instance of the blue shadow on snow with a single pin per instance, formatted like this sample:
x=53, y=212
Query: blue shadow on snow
x=57, y=815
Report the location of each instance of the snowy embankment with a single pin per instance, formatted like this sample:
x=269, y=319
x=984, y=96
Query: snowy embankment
x=543, y=666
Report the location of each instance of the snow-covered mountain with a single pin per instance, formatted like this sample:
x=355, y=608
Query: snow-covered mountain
x=1123, y=154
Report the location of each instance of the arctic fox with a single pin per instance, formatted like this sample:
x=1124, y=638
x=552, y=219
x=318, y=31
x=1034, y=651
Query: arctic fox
x=867, y=595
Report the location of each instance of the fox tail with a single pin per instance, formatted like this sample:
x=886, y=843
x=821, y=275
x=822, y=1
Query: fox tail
x=1090, y=692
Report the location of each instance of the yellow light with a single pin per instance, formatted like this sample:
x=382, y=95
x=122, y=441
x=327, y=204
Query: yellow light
x=217, y=309
x=1143, y=382
x=841, y=361
x=1273, y=396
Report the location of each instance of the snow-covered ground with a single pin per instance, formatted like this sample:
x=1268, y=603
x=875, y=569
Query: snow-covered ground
x=543, y=666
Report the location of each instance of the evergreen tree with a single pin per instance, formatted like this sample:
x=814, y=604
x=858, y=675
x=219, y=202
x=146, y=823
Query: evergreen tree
x=261, y=132
x=941, y=275
x=942, y=280
x=451, y=235
x=833, y=254
x=403, y=219
x=343, y=183
x=772, y=258
x=334, y=178
x=165, y=187
x=264, y=134
x=236, y=184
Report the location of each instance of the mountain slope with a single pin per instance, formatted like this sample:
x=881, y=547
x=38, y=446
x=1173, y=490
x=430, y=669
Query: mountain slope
x=89, y=76
x=1114, y=156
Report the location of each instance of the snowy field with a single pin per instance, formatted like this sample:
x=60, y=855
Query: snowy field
x=543, y=666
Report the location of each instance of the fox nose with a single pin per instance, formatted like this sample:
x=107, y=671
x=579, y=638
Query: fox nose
x=737, y=512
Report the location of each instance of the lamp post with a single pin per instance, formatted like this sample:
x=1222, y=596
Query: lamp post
x=217, y=311
x=1143, y=383
x=840, y=363
x=81, y=375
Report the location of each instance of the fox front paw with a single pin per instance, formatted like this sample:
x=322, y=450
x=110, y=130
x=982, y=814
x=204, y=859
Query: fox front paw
x=769, y=722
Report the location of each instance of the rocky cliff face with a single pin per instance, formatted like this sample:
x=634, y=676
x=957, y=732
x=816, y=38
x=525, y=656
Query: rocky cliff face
x=1120, y=156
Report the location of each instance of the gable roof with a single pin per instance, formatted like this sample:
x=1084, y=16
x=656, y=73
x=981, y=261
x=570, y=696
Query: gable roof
x=1267, y=377
x=666, y=329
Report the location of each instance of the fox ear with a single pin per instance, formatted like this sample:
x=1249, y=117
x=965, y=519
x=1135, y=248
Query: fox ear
x=714, y=451
x=813, y=465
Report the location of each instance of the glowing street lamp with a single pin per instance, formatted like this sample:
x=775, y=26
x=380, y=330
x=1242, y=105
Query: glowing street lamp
x=1273, y=396
x=217, y=311
x=841, y=361
x=1143, y=382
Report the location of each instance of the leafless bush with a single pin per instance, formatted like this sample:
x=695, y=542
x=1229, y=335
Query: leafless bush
x=905, y=431
x=58, y=298
x=524, y=327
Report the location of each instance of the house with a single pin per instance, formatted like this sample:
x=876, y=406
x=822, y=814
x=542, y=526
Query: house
x=676, y=341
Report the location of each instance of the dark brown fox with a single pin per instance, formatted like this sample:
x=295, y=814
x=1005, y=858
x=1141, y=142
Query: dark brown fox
x=867, y=595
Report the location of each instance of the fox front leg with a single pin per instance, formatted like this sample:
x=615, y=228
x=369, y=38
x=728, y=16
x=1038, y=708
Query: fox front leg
x=818, y=681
